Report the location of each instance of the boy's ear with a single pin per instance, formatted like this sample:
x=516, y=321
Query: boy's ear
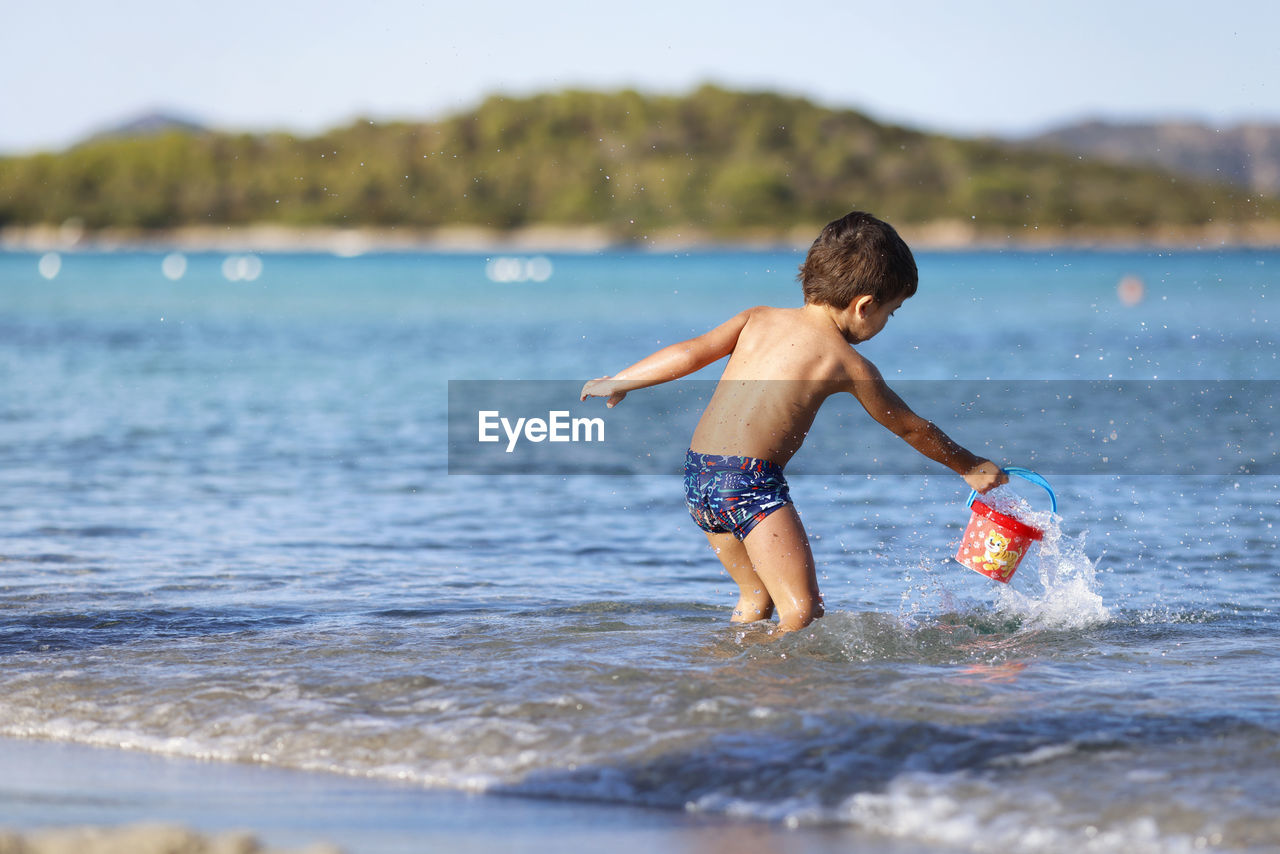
x=864, y=305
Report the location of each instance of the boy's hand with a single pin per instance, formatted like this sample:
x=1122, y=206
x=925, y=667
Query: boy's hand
x=985, y=476
x=603, y=387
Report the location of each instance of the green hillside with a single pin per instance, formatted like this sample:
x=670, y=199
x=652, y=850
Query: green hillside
x=725, y=163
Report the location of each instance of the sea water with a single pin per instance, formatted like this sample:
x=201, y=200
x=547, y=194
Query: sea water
x=228, y=530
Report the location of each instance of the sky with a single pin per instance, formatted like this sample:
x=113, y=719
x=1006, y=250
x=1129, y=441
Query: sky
x=968, y=67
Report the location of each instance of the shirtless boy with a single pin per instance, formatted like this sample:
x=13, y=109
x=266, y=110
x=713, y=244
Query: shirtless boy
x=783, y=363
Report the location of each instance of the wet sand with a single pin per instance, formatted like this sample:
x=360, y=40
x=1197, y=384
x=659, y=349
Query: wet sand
x=57, y=798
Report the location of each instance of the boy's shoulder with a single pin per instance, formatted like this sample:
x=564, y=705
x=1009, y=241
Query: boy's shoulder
x=808, y=335
x=781, y=324
x=758, y=318
x=774, y=314
x=799, y=321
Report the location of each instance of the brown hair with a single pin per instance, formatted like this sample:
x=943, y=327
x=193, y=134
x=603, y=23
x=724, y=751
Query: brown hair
x=858, y=255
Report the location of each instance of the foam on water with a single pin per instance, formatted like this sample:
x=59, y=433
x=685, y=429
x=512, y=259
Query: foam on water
x=1069, y=597
x=981, y=816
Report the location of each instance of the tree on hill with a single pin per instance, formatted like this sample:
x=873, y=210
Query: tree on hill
x=723, y=162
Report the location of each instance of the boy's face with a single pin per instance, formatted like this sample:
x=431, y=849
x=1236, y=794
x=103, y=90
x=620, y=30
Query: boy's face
x=867, y=317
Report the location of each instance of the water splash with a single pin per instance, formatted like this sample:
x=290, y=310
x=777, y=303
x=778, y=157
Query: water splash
x=1069, y=597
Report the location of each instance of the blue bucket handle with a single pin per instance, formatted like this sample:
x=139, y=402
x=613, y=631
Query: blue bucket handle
x=1025, y=474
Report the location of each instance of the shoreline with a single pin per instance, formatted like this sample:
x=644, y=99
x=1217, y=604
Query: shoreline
x=352, y=242
x=57, y=791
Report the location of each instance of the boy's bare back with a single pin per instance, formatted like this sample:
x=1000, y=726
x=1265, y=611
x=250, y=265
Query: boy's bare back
x=786, y=363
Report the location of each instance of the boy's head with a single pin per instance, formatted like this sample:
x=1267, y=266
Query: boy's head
x=858, y=255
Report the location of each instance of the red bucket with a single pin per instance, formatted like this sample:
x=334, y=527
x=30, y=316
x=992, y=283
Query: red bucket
x=994, y=543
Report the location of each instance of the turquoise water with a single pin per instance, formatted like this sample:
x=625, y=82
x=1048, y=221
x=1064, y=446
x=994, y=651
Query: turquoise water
x=228, y=531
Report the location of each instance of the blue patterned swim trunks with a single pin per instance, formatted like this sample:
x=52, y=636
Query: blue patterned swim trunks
x=732, y=494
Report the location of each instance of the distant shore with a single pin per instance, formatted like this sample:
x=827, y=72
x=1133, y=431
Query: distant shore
x=348, y=242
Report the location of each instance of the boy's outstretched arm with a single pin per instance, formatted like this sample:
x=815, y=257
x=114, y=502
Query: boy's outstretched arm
x=884, y=405
x=671, y=362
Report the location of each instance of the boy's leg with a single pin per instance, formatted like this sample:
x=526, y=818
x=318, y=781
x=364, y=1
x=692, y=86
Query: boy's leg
x=753, y=596
x=778, y=552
